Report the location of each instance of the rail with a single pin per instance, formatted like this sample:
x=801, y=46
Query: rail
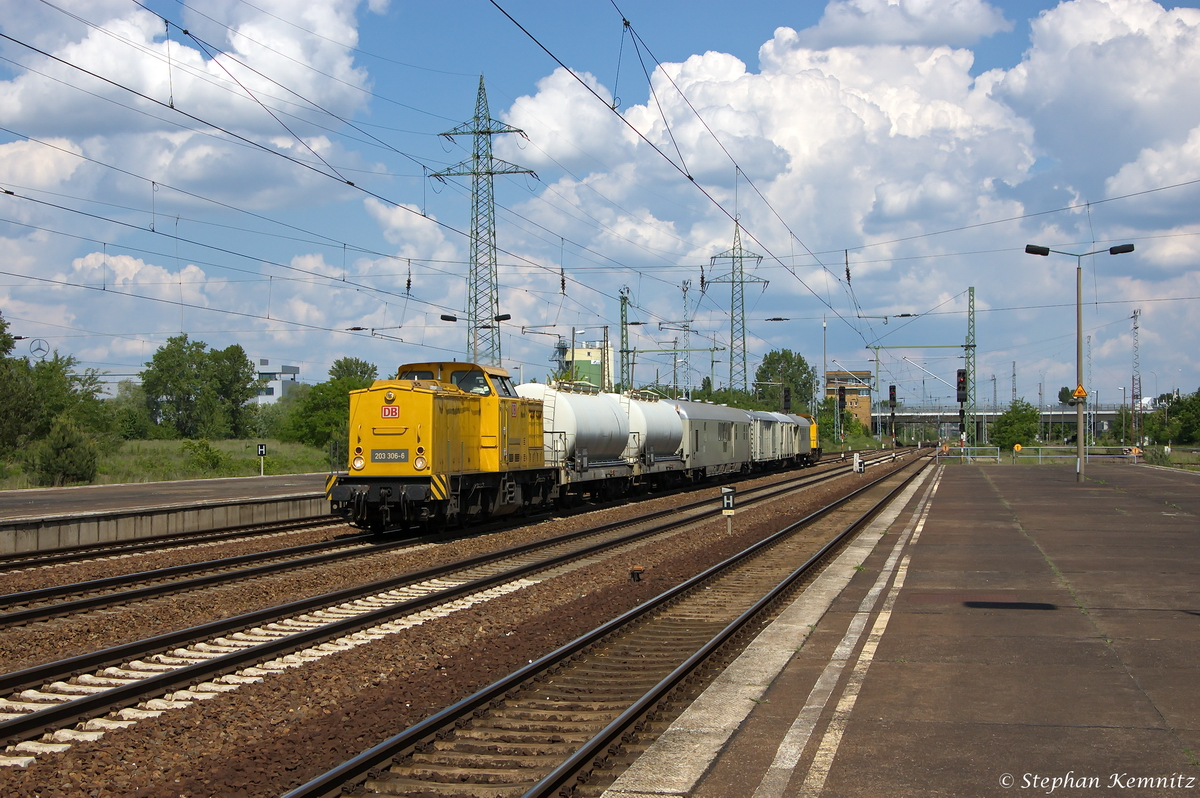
x=57, y=716
x=334, y=781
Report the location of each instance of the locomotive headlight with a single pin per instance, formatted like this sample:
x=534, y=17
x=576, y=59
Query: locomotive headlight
x=420, y=463
x=389, y=397
x=358, y=462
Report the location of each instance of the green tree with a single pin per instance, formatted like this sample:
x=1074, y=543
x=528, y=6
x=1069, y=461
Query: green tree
x=827, y=414
x=782, y=368
x=1017, y=424
x=1064, y=395
x=172, y=380
x=201, y=393
x=63, y=391
x=66, y=455
x=7, y=341
x=18, y=402
x=323, y=414
x=234, y=383
x=1187, y=410
x=354, y=369
x=34, y=395
x=1164, y=425
x=130, y=417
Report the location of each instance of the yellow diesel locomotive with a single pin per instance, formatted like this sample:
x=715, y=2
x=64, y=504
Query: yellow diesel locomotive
x=441, y=443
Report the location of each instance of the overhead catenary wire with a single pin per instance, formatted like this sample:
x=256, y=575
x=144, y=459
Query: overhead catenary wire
x=579, y=267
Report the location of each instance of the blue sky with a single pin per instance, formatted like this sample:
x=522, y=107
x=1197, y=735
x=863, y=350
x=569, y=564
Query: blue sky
x=923, y=142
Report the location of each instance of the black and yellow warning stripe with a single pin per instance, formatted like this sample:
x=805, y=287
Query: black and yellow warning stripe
x=439, y=487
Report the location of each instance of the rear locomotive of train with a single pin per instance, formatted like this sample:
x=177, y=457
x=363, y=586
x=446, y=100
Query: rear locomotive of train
x=440, y=443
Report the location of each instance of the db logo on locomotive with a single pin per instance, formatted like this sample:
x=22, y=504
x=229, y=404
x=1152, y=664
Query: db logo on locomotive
x=389, y=411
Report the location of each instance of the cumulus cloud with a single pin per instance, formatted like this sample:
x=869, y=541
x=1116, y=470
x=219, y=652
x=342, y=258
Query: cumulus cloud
x=955, y=22
x=31, y=165
x=129, y=47
x=1168, y=164
x=1104, y=80
x=867, y=134
x=416, y=236
x=565, y=123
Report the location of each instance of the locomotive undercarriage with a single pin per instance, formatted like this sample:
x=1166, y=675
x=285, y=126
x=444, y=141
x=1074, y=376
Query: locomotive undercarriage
x=382, y=503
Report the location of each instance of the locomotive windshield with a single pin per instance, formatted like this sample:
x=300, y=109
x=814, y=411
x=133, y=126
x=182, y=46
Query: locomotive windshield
x=414, y=374
x=504, y=386
x=471, y=381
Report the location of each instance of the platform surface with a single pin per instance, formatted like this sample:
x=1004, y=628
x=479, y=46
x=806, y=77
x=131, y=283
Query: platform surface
x=40, y=502
x=1012, y=633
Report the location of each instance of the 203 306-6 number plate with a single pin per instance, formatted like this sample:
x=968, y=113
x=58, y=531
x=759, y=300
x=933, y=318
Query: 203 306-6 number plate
x=389, y=455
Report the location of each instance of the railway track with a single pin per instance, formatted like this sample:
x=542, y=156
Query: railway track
x=558, y=723
x=120, y=685
x=50, y=602
x=126, y=548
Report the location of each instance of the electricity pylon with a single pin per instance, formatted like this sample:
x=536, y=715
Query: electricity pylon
x=483, y=287
x=737, y=278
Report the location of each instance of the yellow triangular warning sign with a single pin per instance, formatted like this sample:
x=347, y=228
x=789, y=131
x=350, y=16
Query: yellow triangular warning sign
x=1080, y=393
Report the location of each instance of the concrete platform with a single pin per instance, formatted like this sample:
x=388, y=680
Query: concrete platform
x=48, y=518
x=1011, y=632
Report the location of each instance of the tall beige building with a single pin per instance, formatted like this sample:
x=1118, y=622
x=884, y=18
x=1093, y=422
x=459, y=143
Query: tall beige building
x=858, y=392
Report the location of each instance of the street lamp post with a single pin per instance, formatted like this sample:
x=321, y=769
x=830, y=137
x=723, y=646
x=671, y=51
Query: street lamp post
x=1120, y=249
x=1122, y=415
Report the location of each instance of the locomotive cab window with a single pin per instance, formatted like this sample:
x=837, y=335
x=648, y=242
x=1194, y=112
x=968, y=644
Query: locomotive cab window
x=413, y=374
x=471, y=381
x=504, y=386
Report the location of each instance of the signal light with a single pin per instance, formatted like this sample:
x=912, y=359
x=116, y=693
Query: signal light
x=961, y=385
x=841, y=397
x=787, y=398
x=891, y=396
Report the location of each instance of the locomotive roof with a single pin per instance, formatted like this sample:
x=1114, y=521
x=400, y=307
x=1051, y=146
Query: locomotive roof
x=452, y=365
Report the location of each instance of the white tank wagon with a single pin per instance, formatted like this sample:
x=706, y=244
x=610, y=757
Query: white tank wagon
x=655, y=432
x=582, y=430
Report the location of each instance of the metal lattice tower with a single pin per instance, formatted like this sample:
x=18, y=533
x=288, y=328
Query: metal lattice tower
x=483, y=289
x=969, y=347
x=737, y=278
x=1136, y=394
x=626, y=355
x=687, y=338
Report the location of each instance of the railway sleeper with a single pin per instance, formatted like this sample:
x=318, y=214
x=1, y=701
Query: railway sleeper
x=410, y=786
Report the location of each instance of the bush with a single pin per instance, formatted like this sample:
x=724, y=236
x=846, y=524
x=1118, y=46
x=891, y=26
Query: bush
x=66, y=455
x=1156, y=455
x=203, y=456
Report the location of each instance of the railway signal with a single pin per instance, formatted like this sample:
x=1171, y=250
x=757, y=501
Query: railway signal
x=728, y=492
x=961, y=385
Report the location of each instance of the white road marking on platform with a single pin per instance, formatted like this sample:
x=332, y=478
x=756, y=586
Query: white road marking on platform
x=679, y=758
x=787, y=756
